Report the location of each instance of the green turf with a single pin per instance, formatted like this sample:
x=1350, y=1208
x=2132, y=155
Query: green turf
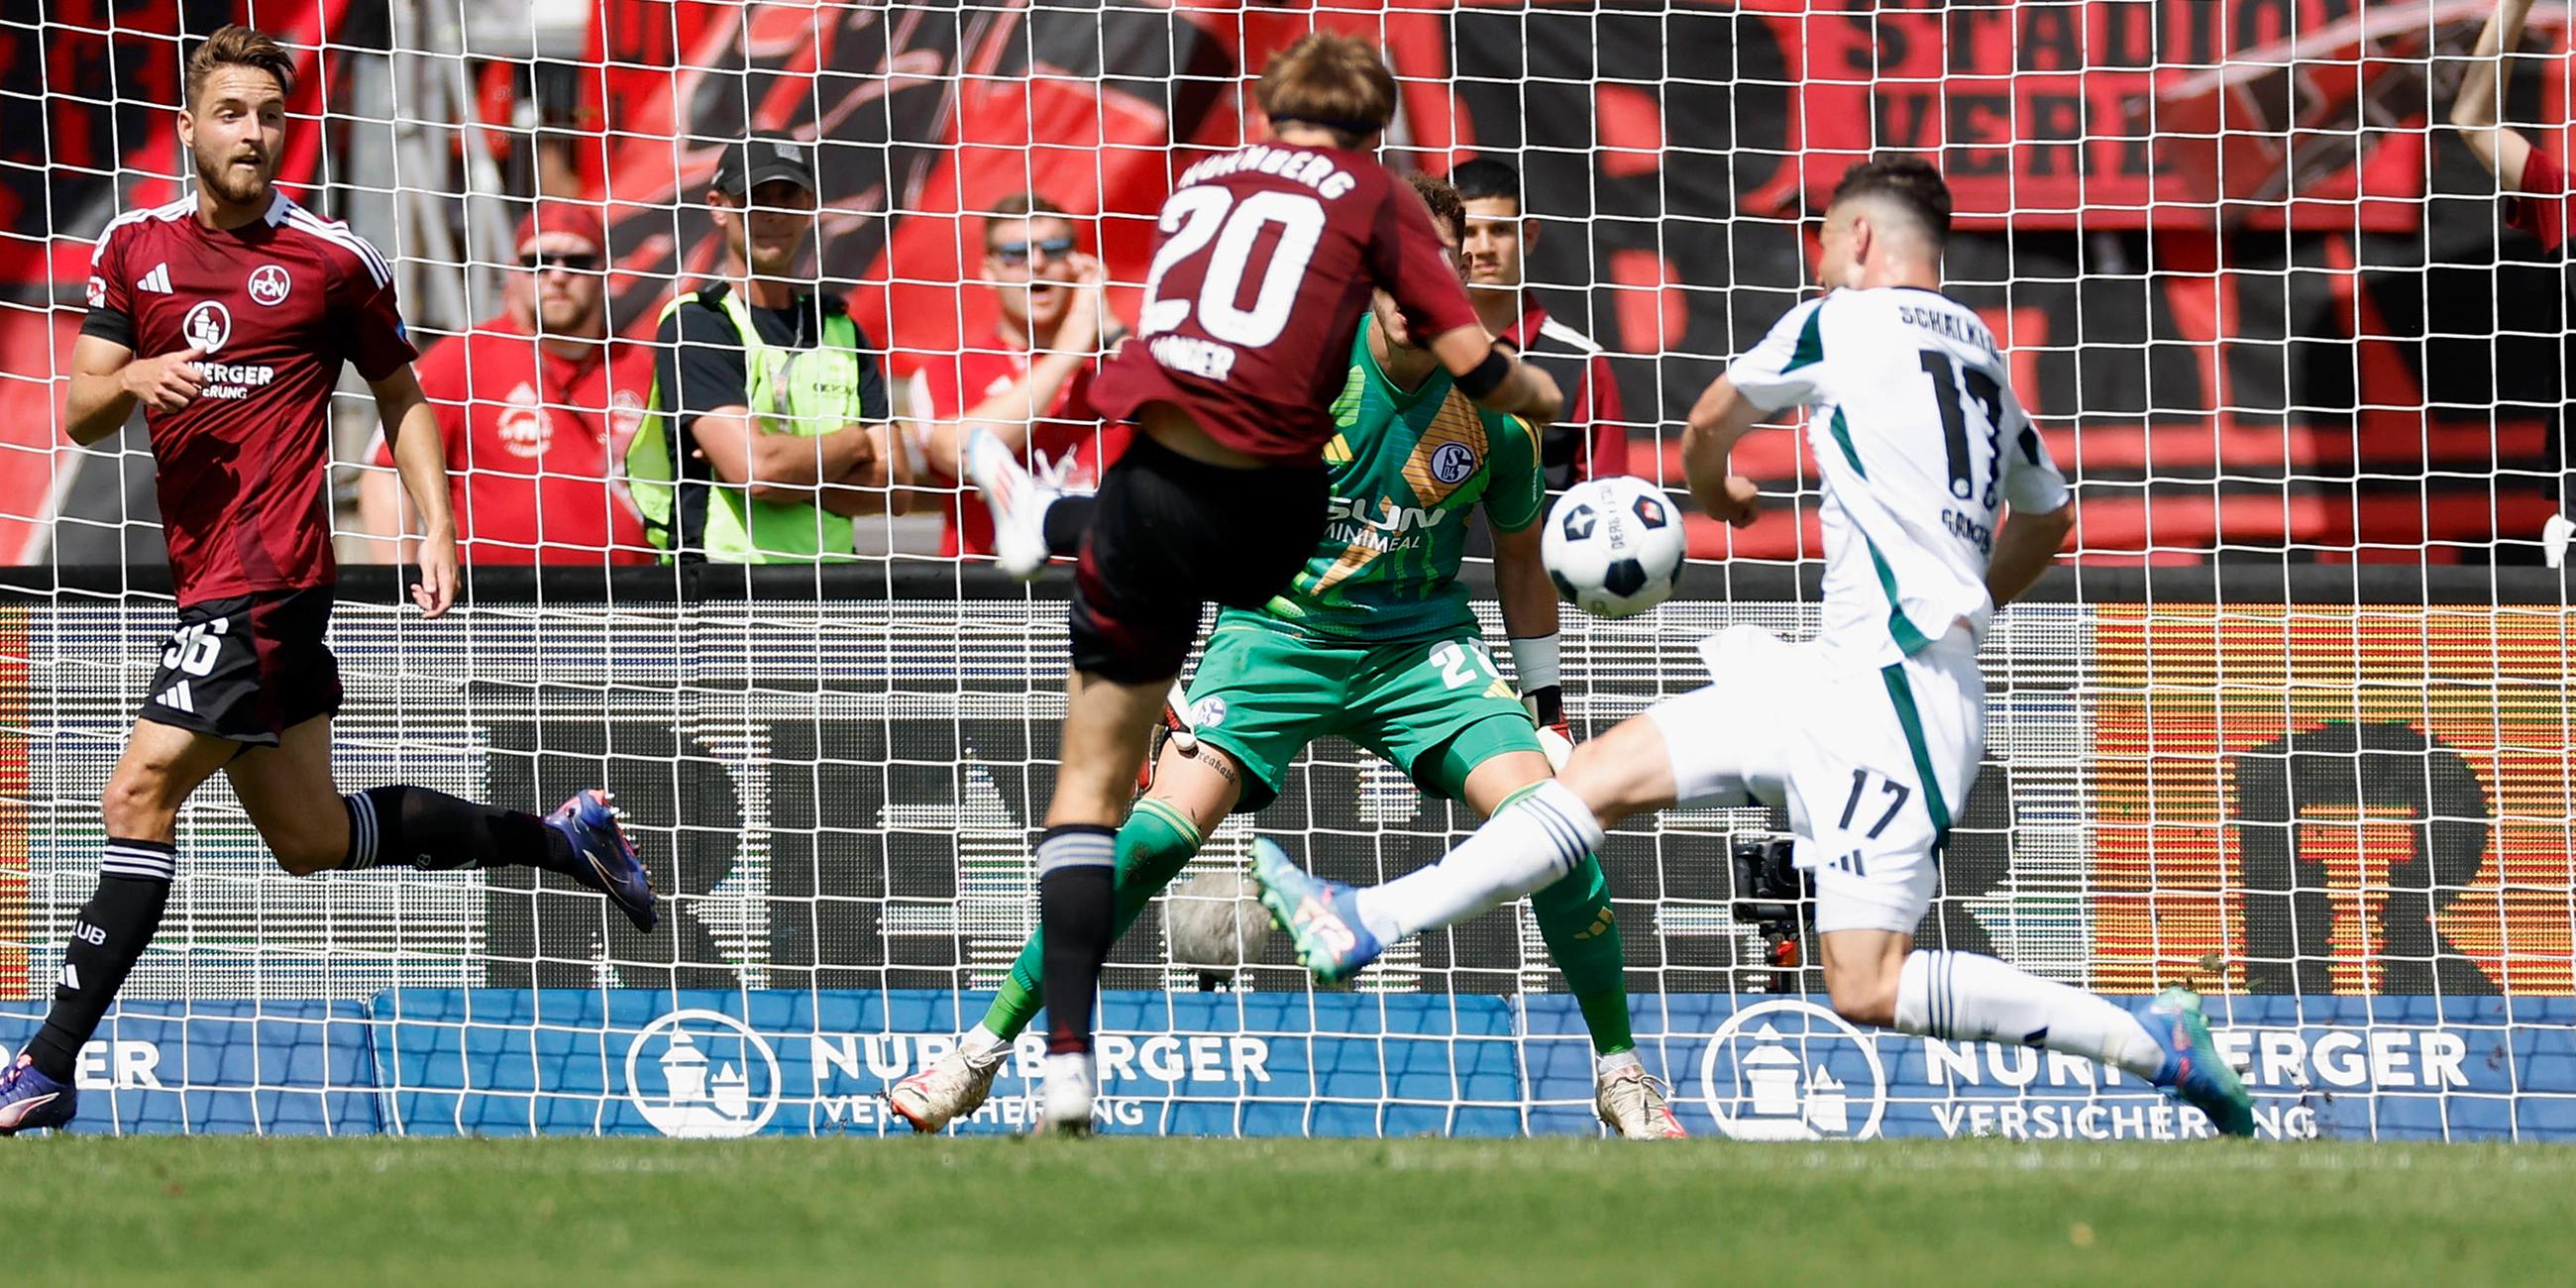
x=463, y=1214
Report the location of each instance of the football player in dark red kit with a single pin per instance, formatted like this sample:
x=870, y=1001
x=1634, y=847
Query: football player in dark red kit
x=1265, y=262
x=227, y=315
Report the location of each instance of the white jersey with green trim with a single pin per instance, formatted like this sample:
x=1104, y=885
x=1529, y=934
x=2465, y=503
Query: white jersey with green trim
x=1921, y=442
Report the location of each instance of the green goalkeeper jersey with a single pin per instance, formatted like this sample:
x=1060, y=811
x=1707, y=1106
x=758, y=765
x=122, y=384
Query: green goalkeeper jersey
x=1406, y=470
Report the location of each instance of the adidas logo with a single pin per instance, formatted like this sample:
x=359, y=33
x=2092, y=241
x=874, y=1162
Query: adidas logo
x=157, y=281
x=177, y=698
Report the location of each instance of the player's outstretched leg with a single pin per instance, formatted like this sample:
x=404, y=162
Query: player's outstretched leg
x=1531, y=843
x=1878, y=977
x=1153, y=846
x=291, y=797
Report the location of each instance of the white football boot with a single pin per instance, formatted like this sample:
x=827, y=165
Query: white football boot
x=1017, y=498
x=1631, y=1102
x=954, y=1086
x=1065, y=1108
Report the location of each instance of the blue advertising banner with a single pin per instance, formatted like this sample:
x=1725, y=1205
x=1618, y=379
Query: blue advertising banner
x=274, y=1068
x=727, y=1063
x=1757, y=1067
x=1752, y=1067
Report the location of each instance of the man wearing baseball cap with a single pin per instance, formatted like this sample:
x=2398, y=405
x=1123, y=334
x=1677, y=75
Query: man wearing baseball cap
x=535, y=405
x=768, y=426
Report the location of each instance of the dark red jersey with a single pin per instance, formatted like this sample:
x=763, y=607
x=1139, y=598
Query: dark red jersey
x=277, y=305
x=1260, y=274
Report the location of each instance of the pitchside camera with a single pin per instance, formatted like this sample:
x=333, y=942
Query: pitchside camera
x=1778, y=901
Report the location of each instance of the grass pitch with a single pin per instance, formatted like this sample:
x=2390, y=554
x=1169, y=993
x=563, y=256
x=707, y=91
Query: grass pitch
x=1192, y=1212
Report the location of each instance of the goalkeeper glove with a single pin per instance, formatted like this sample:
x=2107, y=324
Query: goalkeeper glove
x=1547, y=711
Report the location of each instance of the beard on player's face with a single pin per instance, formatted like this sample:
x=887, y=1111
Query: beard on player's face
x=235, y=130
x=236, y=165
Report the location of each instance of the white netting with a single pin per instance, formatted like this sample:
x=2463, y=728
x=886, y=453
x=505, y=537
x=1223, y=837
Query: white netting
x=2269, y=318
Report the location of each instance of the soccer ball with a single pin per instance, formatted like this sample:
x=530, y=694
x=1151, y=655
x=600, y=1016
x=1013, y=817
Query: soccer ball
x=1613, y=546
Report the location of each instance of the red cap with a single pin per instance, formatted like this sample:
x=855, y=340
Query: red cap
x=573, y=218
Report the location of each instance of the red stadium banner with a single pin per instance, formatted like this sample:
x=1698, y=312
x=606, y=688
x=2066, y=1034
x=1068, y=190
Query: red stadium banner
x=2124, y=115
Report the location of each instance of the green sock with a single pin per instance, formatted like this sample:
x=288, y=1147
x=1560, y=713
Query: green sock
x=1582, y=934
x=1153, y=847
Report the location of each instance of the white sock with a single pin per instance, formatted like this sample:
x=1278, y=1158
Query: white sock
x=1527, y=845
x=1602, y=1065
x=982, y=1045
x=1972, y=998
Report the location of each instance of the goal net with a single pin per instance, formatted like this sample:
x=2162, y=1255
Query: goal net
x=2291, y=727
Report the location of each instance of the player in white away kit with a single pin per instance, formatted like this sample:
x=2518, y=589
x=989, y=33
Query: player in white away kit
x=1870, y=734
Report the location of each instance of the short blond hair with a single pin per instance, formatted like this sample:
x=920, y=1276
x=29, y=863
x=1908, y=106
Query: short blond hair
x=1333, y=81
x=239, y=46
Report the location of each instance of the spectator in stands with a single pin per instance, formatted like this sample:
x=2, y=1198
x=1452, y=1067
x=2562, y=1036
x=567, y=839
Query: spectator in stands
x=1028, y=379
x=768, y=428
x=1589, y=441
x=534, y=405
x=2535, y=184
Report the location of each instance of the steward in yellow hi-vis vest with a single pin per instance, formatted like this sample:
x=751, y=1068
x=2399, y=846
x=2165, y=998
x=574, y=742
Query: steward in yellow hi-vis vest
x=768, y=426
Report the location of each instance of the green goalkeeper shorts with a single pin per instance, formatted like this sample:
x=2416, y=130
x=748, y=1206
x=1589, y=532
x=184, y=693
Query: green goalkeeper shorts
x=1435, y=709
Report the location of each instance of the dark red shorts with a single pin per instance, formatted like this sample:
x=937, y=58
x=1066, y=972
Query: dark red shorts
x=1169, y=534
x=248, y=669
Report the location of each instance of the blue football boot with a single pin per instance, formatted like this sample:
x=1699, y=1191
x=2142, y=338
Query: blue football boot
x=29, y=1099
x=609, y=864
x=2193, y=1068
x=1321, y=917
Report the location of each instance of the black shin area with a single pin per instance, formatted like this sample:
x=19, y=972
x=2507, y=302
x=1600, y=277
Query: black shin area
x=1077, y=911
x=113, y=929
x=415, y=827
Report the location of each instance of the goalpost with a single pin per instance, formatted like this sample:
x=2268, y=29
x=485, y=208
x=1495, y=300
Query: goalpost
x=2292, y=728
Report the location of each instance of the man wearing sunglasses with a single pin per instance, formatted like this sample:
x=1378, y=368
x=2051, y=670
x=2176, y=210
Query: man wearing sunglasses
x=1028, y=379
x=534, y=404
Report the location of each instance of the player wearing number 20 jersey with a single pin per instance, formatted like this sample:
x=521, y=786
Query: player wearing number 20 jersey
x=1266, y=259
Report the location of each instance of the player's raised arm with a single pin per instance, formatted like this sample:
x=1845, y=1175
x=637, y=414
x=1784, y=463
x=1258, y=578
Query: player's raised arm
x=2479, y=110
x=1776, y=374
x=1721, y=416
x=420, y=457
x=1496, y=377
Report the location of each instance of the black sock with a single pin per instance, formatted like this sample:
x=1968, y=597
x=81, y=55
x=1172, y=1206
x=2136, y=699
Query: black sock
x=1065, y=522
x=414, y=827
x=1077, y=868
x=114, y=928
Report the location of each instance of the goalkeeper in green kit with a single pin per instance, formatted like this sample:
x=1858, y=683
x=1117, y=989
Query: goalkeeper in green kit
x=1374, y=642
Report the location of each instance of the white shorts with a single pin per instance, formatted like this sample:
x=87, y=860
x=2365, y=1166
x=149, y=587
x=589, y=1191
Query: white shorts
x=1872, y=765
